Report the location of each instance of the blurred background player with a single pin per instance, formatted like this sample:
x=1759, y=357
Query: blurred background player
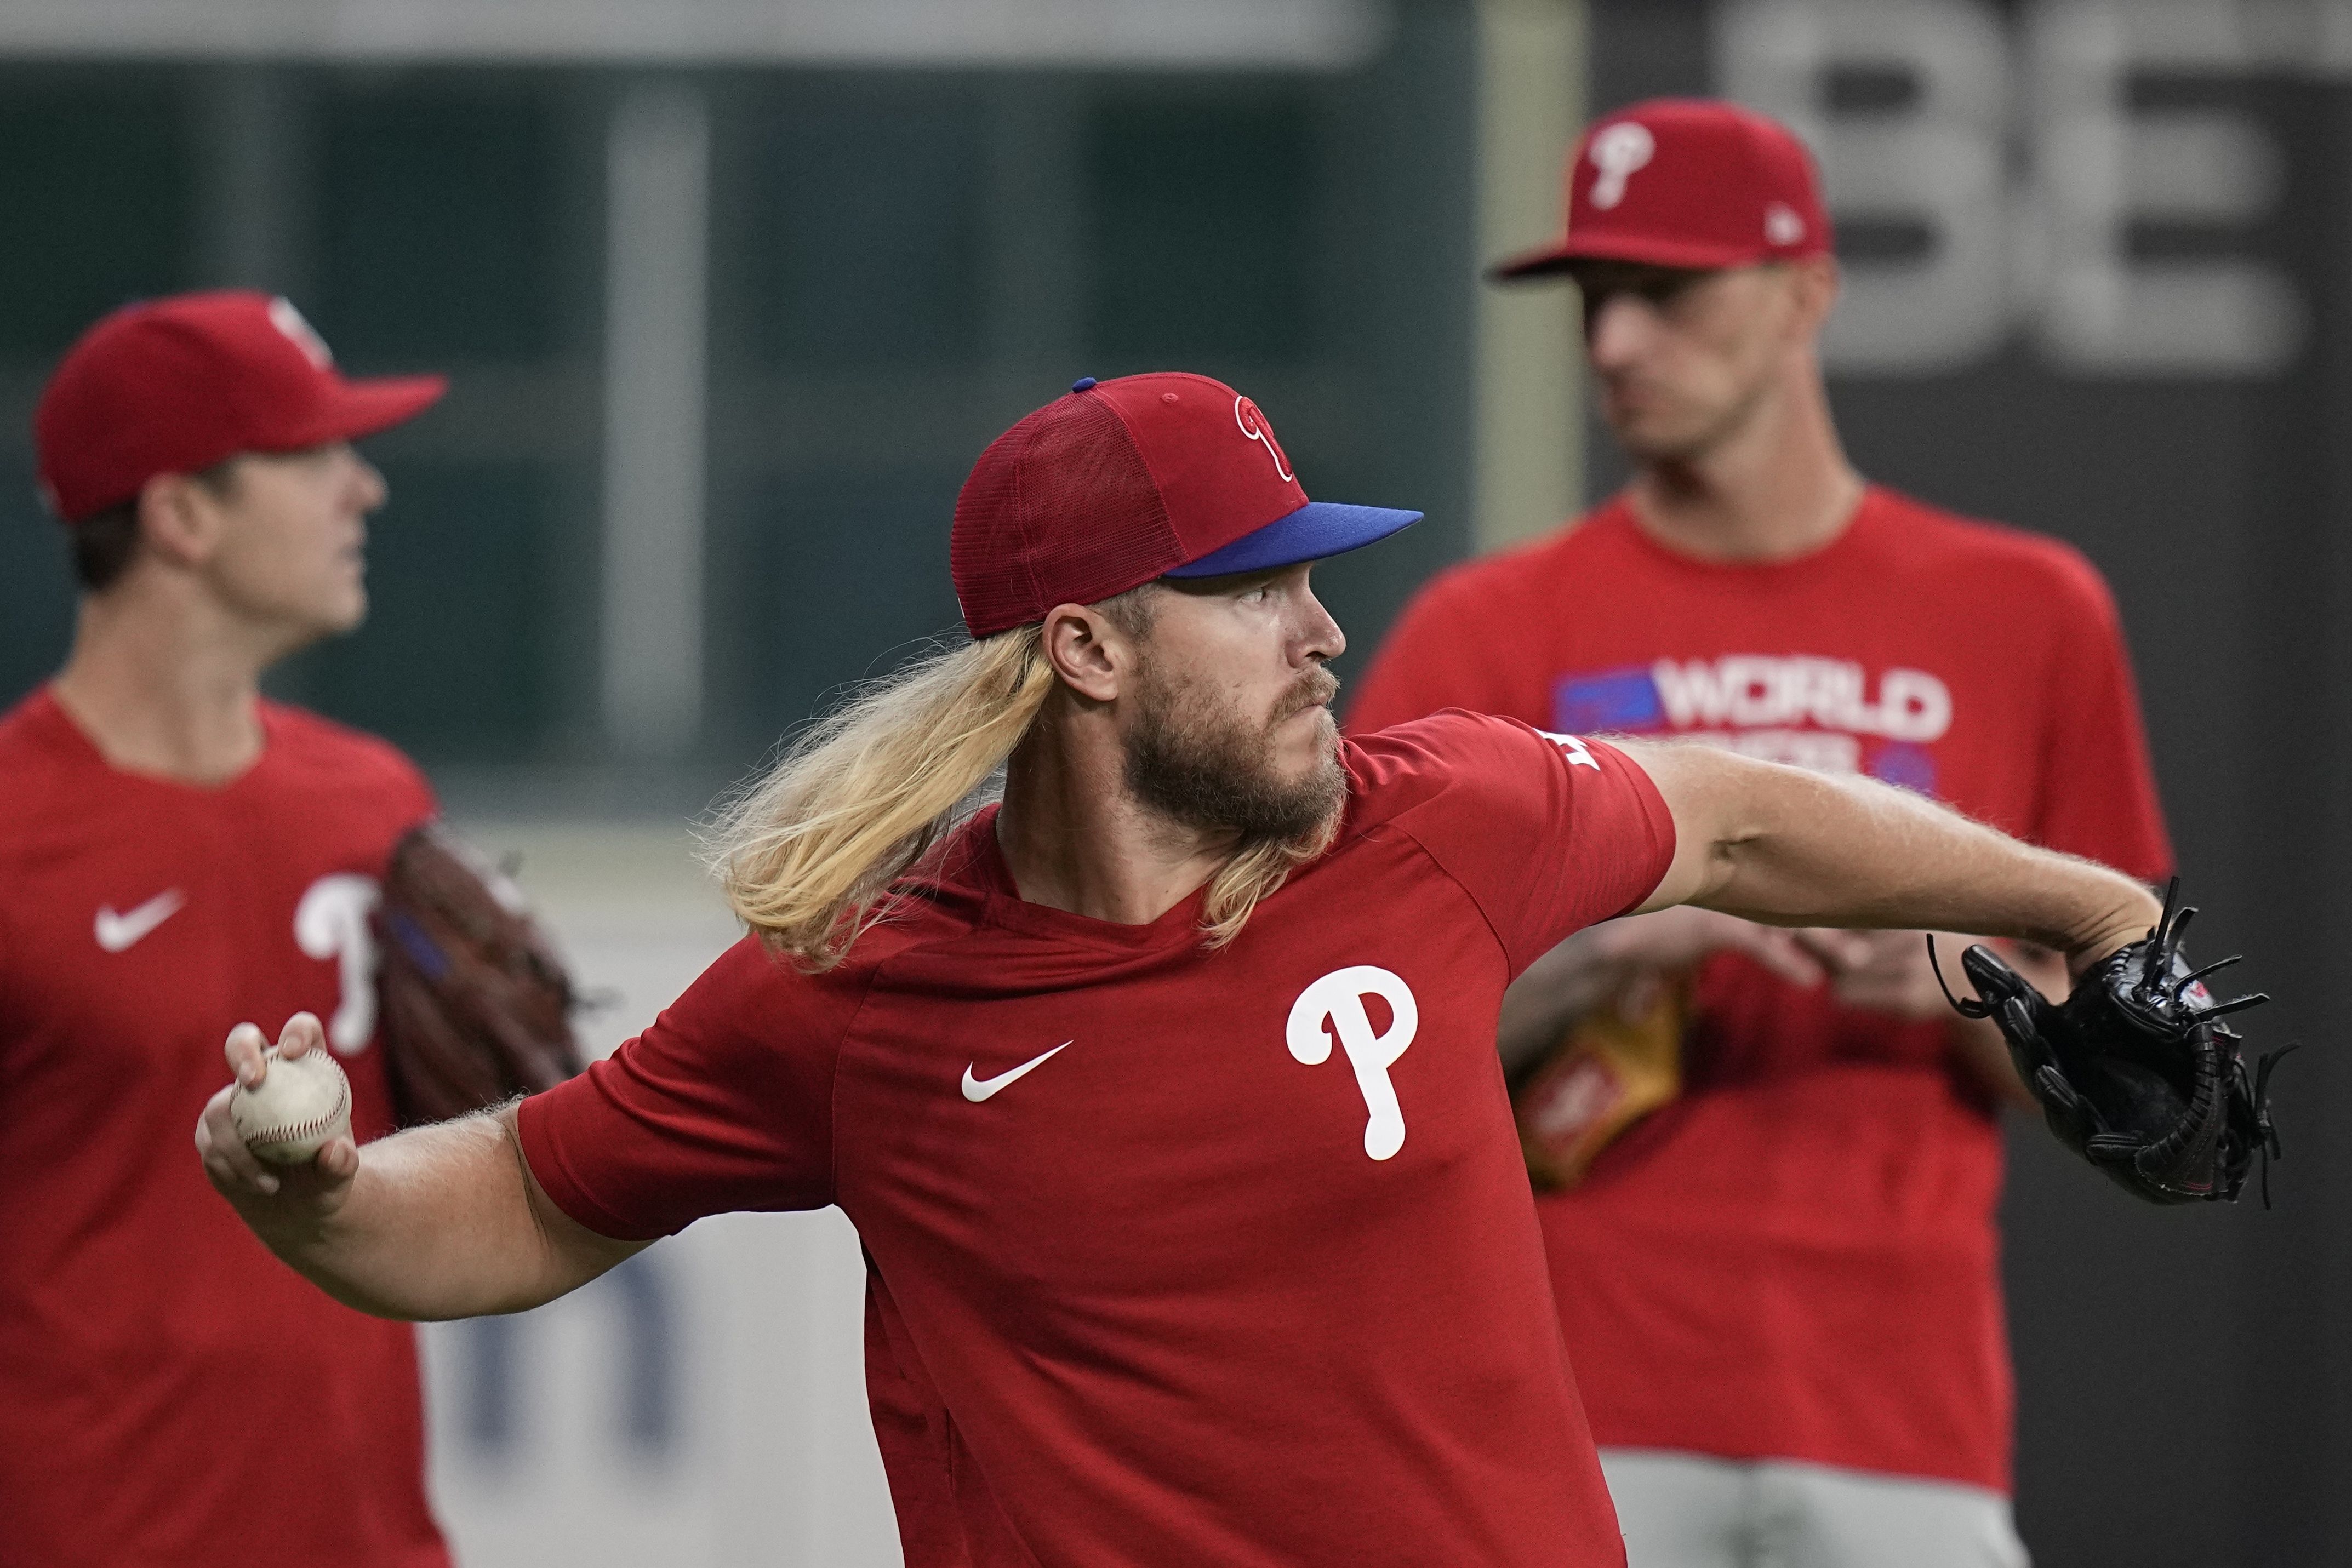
x=180, y=854
x=1781, y=1286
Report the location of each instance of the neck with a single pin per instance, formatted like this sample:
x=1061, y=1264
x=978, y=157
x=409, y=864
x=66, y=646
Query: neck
x=165, y=683
x=1076, y=840
x=1776, y=487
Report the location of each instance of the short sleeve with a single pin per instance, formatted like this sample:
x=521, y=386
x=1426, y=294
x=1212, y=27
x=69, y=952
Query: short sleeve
x=9, y=983
x=2097, y=796
x=421, y=802
x=725, y=1104
x=1547, y=833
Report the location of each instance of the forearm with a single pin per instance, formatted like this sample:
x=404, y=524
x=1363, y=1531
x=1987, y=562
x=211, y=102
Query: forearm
x=439, y=1222
x=1790, y=847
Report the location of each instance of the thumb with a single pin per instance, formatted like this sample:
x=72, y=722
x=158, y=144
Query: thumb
x=1782, y=953
x=339, y=1161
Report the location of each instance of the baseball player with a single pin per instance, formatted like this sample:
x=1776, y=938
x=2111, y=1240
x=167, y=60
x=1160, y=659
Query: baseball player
x=179, y=853
x=1781, y=1289
x=1163, y=1093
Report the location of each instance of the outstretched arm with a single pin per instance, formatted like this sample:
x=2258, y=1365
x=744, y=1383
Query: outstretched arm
x=1788, y=847
x=443, y=1221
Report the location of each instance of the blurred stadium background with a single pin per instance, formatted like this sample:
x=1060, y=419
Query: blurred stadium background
x=733, y=291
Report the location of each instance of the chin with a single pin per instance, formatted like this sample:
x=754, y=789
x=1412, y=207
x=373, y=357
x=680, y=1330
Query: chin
x=1305, y=755
x=1322, y=736
x=348, y=614
x=1654, y=439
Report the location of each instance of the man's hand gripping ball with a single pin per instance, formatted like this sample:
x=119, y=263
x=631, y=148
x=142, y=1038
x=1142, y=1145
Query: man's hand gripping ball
x=282, y=1185
x=2134, y=1070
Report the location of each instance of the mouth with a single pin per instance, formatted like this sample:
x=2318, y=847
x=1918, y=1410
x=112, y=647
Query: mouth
x=1627, y=394
x=1312, y=695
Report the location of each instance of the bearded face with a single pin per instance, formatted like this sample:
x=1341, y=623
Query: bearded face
x=1202, y=764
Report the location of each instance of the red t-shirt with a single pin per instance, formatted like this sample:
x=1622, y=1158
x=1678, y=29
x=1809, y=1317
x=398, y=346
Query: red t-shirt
x=1158, y=1274
x=1797, y=1260
x=171, y=1395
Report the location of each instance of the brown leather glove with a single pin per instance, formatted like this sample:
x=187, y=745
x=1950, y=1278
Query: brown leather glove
x=477, y=1007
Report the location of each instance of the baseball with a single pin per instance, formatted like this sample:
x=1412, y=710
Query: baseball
x=301, y=1103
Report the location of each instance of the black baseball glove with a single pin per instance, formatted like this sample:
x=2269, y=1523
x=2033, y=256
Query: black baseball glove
x=2134, y=1070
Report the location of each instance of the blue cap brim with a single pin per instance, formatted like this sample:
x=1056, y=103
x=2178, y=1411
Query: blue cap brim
x=1316, y=529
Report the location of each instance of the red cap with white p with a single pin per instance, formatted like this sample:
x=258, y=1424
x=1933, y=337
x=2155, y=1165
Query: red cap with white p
x=1694, y=182
x=1163, y=475
x=179, y=384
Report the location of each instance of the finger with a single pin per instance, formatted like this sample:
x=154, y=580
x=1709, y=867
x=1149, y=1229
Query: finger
x=1783, y=956
x=1838, y=949
x=245, y=1045
x=1865, y=990
x=337, y=1162
x=231, y=1164
x=302, y=1032
x=1890, y=994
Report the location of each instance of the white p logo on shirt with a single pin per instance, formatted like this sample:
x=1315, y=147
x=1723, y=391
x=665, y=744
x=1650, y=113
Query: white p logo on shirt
x=331, y=922
x=1338, y=998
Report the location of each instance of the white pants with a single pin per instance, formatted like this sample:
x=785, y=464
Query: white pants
x=1693, y=1510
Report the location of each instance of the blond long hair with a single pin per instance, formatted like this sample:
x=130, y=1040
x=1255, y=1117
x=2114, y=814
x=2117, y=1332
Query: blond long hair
x=808, y=854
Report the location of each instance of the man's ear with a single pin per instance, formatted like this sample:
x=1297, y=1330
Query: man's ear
x=1093, y=657
x=179, y=519
x=1815, y=280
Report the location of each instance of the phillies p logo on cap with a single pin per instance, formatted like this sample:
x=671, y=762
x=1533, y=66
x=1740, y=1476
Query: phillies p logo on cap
x=1254, y=426
x=1164, y=475
x=289, y=320
x=1689, y=183
x=178, y=384
x=1617, y=151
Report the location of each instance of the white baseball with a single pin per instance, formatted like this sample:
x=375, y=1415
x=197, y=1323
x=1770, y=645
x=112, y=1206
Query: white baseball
x=302, y=1103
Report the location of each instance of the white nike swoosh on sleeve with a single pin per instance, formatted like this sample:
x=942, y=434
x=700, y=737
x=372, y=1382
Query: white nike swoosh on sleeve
x=978, y=1089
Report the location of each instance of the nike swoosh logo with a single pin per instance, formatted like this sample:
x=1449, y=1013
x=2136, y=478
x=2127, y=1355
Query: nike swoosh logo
x=117, y=932
x=978, y=1089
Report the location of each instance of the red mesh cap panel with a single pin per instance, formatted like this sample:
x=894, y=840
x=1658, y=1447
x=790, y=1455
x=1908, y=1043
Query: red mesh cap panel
x=1109, y=487
x=1060, y=509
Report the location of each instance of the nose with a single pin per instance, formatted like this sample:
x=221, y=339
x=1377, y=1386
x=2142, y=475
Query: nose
x=1618, y=328
x=1320, y=635
x=372, y=491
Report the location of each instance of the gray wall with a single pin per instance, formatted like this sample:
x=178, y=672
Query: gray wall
x=2181, y=1377
x=902, y=263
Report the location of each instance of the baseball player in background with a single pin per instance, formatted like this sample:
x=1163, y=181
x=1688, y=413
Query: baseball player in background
x=1164, y=1094
x=177, y=855
x=1781, y=1287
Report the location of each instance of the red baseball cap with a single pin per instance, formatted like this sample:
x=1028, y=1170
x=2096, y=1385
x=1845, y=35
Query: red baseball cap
x=176, y=385
x=1165, y=474
x=1686, y=181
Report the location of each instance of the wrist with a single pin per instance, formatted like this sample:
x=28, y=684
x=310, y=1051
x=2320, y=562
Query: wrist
x=2129, y=920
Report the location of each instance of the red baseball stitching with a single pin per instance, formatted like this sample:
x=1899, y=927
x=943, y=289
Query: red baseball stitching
x=316, y=1124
